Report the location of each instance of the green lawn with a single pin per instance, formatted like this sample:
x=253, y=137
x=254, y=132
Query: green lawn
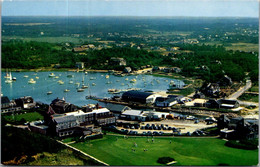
x=32, y=116
x=249, y=97
x=186, y=151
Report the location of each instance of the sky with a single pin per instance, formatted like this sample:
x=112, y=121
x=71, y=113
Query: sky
x=197, y=8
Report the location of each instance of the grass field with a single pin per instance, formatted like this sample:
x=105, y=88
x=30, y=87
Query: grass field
x=249, y=97
x=247, y=47
x=32, y=116
x=115, y=150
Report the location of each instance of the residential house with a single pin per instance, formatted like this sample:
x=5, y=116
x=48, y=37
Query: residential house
x=127, y=70
x=61, y=106
x=25, y=102
x=8, y=106
x=238, y=128
x=117, y=109
x=165, y=101
x=117, y=61
x=79, y=65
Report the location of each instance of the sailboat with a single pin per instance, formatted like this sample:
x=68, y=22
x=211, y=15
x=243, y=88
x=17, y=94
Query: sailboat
x=7, y=75
x=83, y=86
x=9, y=80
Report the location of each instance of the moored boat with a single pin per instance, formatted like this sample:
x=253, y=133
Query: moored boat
x=31, y=81
x=52, y=75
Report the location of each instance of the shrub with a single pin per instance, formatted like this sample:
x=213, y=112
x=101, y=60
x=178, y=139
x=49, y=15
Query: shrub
x=243, y=144
x=165, y=160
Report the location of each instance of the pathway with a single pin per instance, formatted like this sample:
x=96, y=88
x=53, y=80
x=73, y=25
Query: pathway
x=241, y=90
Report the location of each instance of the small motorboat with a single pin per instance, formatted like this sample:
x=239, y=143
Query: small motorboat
x=31, y=81
x=52, y=75
x=50, y=92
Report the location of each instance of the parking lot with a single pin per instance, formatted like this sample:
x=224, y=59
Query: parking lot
x=166, y=126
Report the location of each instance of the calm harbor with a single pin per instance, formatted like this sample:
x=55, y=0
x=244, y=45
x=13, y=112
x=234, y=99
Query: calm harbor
x=66, y=84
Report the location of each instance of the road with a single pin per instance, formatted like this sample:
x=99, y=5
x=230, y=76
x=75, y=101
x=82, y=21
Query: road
x=241, y=90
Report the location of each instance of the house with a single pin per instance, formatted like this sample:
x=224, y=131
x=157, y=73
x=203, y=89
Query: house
x=61, y=106
x=165, y=101
x=117, y=109
x=225, y=81
x=38, y=127
x=212, y=103
x=79, y=49
x=211, y=90
x=8, y=106
x=139, y=96
x=134, y=115
x=127, y=70
x=140, y=115
x=117, y=61
x=25, y=102
x=228, y=104
x=198, y=95
x=79, y=65
x=238, y=128
x=5, y=102
x=103, y=116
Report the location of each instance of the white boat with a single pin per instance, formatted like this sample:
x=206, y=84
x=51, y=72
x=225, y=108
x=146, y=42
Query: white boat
x=50, y=92
x=133, y=80
x=60, y=82
x=126, y=79
x=51, y=75
x=37, y=77
x=31, y=81
x=92, y=78
x=9, y=79
x=66, y=90
x=108, y=82
x=93, y=84
x=86, y=73
x=14, y=78
x=107, y=76
x=84, y=86
x=70, y=82
x=56, y=77
x=25, y=76
x=80, y=90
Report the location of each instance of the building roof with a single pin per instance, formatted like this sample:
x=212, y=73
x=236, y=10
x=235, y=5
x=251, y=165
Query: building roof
x=133, y=112
x=116, y=107
x=76, y=113
x=137, y=94
x=4, y=99
x=68, y=118
x=100, y=110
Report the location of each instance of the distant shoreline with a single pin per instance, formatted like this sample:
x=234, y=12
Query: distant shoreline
x=50, y=69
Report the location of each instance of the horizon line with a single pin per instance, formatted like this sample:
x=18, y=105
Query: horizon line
x=126, y=16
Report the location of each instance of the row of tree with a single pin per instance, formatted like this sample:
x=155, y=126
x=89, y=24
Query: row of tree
x=207, y=62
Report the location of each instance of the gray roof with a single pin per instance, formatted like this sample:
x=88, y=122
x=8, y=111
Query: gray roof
x=137, y=94
x=62, y=119
x=116, y=107
x=4, y=100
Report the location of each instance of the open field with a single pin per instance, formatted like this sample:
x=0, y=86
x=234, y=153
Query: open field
x=115, y=150
x=247, y=47
x=44, y=39
x=249, y=97
x=32, y=116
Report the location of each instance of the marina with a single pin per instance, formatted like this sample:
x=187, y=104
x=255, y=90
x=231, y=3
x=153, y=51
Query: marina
x=95, y=84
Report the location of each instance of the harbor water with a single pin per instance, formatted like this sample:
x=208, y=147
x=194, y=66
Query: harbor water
x=98, y=85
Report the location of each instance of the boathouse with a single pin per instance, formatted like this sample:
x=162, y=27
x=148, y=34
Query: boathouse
x=139, y=96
